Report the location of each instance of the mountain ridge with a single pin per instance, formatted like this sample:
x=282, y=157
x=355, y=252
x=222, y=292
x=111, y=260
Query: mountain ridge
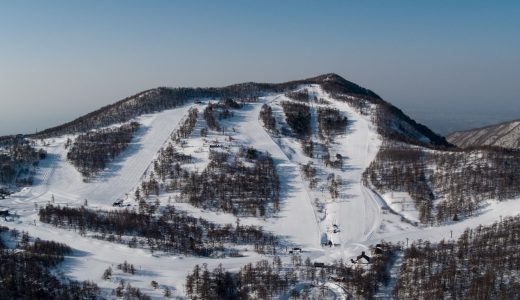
x=504, y=134
x=162, y=98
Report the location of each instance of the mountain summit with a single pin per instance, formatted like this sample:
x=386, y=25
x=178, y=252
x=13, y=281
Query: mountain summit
x=394, y=122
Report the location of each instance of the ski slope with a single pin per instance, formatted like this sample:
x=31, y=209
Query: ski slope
x=359, y=215
x=358, y=212
x=60, y=179
x=296, y=218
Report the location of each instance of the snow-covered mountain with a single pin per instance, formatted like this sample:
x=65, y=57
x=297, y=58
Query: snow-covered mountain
x=505, y=135
x=297, y=179
x=159, y=99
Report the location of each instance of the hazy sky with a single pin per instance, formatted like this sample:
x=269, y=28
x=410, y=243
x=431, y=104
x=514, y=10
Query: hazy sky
x=447, y=63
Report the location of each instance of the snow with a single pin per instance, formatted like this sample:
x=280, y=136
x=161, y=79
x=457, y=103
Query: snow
x=360, y=216
x=493, y=211
x=60, y=179
x=297, y=202
x=505, y=135
x=402, y=203
x=328, y=290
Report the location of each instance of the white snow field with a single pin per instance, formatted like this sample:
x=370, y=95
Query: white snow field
x=307, y=219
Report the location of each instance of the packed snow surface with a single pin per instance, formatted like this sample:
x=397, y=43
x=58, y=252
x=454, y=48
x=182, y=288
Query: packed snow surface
x=308, y=218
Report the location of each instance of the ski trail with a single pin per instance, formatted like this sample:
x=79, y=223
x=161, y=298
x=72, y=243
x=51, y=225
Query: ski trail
x=357, y=213
x=298, y=204
x=57, y=178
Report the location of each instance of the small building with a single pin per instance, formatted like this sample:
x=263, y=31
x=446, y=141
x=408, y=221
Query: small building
x=4, y=212
x=337, y=278
x=118, y=203
x=364, y=257
x=361, y=259
x=380, y=248
x=4, y=192
x=319, y=265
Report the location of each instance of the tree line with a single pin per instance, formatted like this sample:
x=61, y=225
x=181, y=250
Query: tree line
x=480, y=264
x=391, y=122
x=167, y=165
x=267, y=280
x=26, y=270
x=209, y=116
x=331, y=122
x=169, y=230
x=146, y=102
x=298, y=117
x=18, y=158
x=302, y=95
x=186, y=129
x=228, y=184
x=222, y=109
x=461, y=179
x=266, y=115
x=92, y=151
x=245, y=183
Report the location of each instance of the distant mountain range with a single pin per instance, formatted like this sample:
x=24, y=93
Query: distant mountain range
x=506, y=135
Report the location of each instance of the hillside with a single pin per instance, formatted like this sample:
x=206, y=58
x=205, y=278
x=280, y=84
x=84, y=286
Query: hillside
x=505, y=135
x=252, y=191
x=159, y=99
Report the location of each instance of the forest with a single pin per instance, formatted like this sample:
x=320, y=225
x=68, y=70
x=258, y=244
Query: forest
x=92, y=151
x=160, y=229
x=266, y=115
x=245, y=184
x=460, y=179
x=146, y=102
x=222, y=109
x=26, y=270
x=209, y=116
x=392, y=123
x=187, y=126
x=18, y=158
x=331, y=123
x=483, y=263
x=151, y=101
x=267, y=280
x=298, y=117
x=167, y=165
x=302, y=96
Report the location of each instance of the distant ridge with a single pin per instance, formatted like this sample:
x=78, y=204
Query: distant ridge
x=396, y=124
x=506, y=135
